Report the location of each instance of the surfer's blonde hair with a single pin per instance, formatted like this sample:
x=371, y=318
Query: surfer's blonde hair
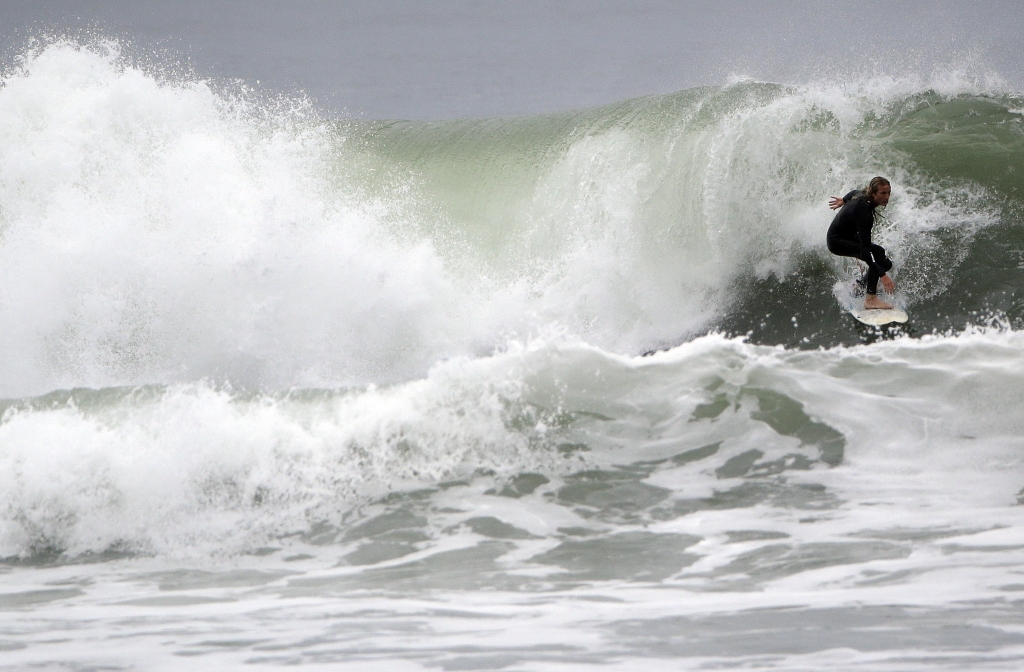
x=874, y=185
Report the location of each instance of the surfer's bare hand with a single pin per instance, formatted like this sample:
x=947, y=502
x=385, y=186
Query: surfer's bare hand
x=836, y=202
x=888, y=284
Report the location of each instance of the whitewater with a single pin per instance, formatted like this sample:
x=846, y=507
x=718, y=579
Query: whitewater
x=562, y=392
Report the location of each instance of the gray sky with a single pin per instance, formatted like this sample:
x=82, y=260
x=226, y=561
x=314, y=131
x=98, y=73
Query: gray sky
x=454, y=58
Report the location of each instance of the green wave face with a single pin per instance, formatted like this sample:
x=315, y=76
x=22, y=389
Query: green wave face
x=975, y=138
x=511, y=186
x=720, y=193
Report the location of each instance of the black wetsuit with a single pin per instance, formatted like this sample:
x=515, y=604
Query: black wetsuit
x=849, y=235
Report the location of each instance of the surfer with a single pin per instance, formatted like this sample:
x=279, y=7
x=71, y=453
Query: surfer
x=849, y=235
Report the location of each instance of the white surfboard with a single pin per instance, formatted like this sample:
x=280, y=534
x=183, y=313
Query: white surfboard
x=877, y=317
x=851, y=299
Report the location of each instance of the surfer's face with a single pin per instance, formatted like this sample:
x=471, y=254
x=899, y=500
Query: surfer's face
x=881, y=197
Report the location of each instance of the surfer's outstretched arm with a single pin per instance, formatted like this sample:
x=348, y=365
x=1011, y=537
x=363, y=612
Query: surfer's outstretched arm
x=839, y=201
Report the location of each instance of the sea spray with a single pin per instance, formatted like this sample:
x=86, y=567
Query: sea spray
x=153, y=235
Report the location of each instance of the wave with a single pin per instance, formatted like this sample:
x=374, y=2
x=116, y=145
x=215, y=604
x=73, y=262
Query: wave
x=158, y=231
x=715, y=423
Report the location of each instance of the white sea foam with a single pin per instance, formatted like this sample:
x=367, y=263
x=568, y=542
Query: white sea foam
x=914, y=530
x=192, y=469
x=154, y=232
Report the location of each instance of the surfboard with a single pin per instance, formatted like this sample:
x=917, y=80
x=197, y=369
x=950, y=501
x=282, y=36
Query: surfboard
x=851, y=299
x=877, y=317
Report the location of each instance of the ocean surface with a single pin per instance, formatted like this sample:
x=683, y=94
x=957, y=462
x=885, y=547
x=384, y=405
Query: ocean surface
x=567, y=391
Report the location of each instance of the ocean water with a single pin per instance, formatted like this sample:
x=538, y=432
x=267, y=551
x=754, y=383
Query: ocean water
x=557, y=392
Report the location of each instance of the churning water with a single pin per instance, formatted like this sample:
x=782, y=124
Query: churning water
x=558, y=392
